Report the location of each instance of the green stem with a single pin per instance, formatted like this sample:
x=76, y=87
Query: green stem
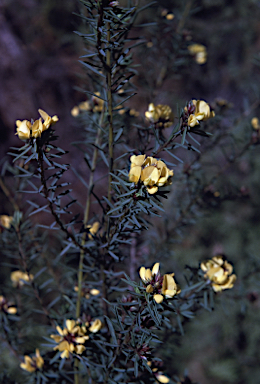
x=84, y=236
x=86, y=216
x=110, y=113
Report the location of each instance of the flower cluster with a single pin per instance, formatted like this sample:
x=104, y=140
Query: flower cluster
x=219, y=272
x=161, y=115
x=93, y=229
x=7, y=307
x=18, y=278
x=93, y=105
x=72, y=338
x=199, y=52
x=31, y=364
x=6, y=221
x=160, y=286
x=196, y=111
x=151, y=172
x=85, y=292
x=25, y=129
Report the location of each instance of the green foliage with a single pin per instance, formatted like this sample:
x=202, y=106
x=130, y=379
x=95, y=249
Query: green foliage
x=77, y=297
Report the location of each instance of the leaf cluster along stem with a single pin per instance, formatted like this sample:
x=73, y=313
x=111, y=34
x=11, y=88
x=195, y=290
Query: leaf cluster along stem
x=125, y=341
x=110, y=112
x=84, y=236
x=25, y=266
x=46, y=195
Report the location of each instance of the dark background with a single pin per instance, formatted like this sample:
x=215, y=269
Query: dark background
x=39, y=69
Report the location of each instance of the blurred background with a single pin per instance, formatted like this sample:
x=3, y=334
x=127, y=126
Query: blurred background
x=39, y=68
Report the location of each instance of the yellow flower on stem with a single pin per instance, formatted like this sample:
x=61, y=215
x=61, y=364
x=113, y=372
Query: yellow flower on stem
x=255, y=123
x=196, y=111
x=162, y=378
x=86, y=292
x=25, y=129
x=201, y=107
x=6, y=221
x=70, y=339
x=18, y=278
x=160, y=114
x=98, y=102
x=31, y=364
x=160, y=286
x=7, y=307
x=48, y=120
x=169, y=287
x=93, y=229
x=219, y=272
x=199, y=52
x=151, y=172
x=96, y=325
x=195, y=119
x=147, y=275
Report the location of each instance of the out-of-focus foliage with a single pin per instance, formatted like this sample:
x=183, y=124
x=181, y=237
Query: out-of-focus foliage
x=71, y=272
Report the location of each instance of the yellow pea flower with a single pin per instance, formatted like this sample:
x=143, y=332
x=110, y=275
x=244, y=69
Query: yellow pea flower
x=95, y=326
x=199, y=52
x=160, y=114
x=48, y=120
x=219, y=272
x=31, y=364
x=6, y=221
x=151, y=172
x=18, y=278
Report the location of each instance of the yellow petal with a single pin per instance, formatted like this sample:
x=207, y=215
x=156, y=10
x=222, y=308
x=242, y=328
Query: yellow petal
x=155, y=269
x=70, y=324
x=254, y=123
x=56, y=338
x=27, y=366
x=202, y=107
x=96, y=326
x=169, y=287
x=12, y=310
x=149, y=289
x=150, y=161
x=23, y=129
x=6, y=221
x=196, y=48
x=134, y=174
x=75, y=111
x=152, y=190
x=162, y=379
x=137, y=160
x=158, y=298
x=80, y=340
x=48, y=120
x=150, y=175
x=148, y=275
x=192, y=121
x=64, y=345
x=94, y=228
x=94, y=292
x=59, y=330
x=39, y=360
x=79, y=349
x=142, y=273
x=218, y=260
x=37, y=128
x=65, y=354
